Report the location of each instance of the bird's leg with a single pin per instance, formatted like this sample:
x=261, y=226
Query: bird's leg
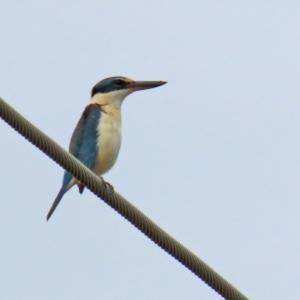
x=80, y=187
x=107, y=185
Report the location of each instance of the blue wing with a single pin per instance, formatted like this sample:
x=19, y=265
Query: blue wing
x=83, y=143
x=83, y=146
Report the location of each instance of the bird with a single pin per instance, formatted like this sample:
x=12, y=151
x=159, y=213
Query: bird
x=96, y=139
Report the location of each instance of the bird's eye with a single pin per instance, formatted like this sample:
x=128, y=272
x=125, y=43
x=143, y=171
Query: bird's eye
x=118, y=82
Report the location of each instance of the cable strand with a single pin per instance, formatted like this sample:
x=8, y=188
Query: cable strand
x=118, y=203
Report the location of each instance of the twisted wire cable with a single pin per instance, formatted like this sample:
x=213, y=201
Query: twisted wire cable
x=118, y=203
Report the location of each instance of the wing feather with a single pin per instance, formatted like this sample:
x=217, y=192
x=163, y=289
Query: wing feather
x=84, y=139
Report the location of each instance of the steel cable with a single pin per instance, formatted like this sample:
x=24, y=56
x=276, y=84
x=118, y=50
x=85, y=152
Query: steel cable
x=118, y=203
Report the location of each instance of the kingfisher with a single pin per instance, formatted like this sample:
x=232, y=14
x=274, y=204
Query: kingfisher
x=96, y=139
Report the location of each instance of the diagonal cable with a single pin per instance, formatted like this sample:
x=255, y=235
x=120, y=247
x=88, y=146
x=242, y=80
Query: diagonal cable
x=118, y=203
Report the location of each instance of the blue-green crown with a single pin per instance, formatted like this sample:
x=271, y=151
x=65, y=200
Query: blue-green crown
x=110, y=84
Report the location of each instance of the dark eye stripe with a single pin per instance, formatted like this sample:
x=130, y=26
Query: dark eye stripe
x=119, y=82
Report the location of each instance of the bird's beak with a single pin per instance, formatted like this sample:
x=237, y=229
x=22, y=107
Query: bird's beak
x=143, y=85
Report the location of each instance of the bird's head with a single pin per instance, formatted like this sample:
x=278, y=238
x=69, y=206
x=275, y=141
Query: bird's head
x=120, y=87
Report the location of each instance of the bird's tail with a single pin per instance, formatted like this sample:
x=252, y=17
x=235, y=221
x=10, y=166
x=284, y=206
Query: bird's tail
x=60, y=194
x=68, y=182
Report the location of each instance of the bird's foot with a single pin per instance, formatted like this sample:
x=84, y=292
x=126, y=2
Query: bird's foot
x=107, y=185
x=80, y=187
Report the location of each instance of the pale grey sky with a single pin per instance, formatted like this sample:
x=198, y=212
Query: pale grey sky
x=212, y=157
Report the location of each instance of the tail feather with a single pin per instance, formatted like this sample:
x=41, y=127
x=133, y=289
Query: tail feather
x=56, y=201
x=68, y=182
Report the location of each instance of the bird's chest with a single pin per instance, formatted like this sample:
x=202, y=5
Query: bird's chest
x=109, y=140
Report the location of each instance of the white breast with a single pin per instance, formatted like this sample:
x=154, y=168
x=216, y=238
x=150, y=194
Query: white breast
x=109, y=128
x=109, y=141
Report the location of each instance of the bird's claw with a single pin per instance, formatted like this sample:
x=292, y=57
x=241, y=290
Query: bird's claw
x=107, y=185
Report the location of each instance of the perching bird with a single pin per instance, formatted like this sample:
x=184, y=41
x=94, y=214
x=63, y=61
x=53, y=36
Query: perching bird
x=96, y=139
